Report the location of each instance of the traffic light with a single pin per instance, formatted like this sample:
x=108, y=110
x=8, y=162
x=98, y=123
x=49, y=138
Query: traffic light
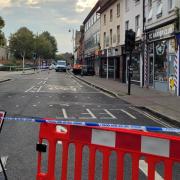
x=130, y=37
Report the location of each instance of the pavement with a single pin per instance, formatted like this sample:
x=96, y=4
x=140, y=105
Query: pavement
x=8, y=75
x=165, y=105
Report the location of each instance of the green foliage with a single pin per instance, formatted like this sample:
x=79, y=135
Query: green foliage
x=2, y=36
x=52, y=41
x=44, y=47
x=21, y=43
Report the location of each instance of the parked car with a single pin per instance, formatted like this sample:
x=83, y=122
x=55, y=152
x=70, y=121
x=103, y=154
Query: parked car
x=61, y=66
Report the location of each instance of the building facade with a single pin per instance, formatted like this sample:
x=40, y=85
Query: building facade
x=162, y=23
x=132, y=18
x=92, y=39
x=110, y=64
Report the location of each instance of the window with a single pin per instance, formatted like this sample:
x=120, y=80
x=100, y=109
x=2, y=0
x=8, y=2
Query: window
x=118, y=9
x=150, y=9
x=127, y=5
x=171, y=4
x=111, y=15
x=104, y=19
x=126, y=25
x=118, y=34
x=111, y=39
x=104, y=42
x=137, y=23
x=159, y=8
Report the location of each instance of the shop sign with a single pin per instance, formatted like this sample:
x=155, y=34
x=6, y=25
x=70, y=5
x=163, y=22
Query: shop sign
x=160, y=33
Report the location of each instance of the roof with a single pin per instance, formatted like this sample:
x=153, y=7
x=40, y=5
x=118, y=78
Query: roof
x=97, y=5
x=104, y=4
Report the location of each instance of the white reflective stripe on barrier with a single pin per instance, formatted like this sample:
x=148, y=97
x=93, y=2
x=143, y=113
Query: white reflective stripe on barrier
x=104, y=138
x=155, y=146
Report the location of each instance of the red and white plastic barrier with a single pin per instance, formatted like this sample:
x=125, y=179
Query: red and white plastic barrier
x=154, y=147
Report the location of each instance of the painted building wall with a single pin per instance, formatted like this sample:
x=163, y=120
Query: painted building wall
x=105, y=27
x=130, y=9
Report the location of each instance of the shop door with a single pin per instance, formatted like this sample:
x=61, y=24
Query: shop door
x=151, y=70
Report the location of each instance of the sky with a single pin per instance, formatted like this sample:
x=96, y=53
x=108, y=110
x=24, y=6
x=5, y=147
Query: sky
x=55, y=16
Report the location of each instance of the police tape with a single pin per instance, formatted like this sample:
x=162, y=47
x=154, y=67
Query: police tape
x=106, y=125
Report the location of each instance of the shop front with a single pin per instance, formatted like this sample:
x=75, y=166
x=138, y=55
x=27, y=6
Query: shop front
x=136, y=65
x=110, y=63
x=161, y=58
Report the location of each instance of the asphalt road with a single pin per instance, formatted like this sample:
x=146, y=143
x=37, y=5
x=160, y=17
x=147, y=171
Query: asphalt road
x=59, y=95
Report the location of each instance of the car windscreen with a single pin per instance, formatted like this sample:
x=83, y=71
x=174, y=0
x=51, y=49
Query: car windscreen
x=61, y=63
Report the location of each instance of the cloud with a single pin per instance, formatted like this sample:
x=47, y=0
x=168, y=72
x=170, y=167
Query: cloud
x=82, y=5
x=69, y=21
x=4, y=4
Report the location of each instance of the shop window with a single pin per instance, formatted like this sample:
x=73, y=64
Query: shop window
x=136, y=67
x=160, y=63
x=118, y=9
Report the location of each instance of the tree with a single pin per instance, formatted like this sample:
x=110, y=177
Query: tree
x=2, y=36
x=43, y=47
x=21, y=43
x=2, y=23
x=52, y=40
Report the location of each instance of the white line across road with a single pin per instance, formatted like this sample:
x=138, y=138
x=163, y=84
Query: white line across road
x=64, y=113
x=129, y=114
x=39, y=89
x=30, y=89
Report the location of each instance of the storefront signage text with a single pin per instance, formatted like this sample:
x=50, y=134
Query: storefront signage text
x=160, y=33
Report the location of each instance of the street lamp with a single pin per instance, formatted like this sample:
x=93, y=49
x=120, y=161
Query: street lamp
x=73, y=38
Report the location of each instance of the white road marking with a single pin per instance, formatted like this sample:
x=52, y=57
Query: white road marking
x=144, y=168
x=34, y=105
x=109, y=113
x=44, y=82
x=65, y=113
x=89, y=113
x=39, y=89
x=151, y=117
x=50, y=105
x=129, y=114
x=67, y=105
x=30, y=89
x=39, y=82
x=50, y=96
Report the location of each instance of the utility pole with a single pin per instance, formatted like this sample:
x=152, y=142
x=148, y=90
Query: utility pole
x=107, y=62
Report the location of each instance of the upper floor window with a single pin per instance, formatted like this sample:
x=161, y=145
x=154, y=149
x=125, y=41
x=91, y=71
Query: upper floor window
x=118, y=9
x=150, y=10
x=104, y=40
x=126, y=25
x=127, y=5
x=159, y=8
x=137, y=23
x=118, y=34
x=171, y=4
x=111, y=15
x=104, y=19
x=111, y=38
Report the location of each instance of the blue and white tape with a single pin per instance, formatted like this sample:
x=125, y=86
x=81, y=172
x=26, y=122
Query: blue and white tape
x=65, y=122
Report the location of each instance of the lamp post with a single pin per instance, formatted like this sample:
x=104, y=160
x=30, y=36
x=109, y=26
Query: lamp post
x=73, y=38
